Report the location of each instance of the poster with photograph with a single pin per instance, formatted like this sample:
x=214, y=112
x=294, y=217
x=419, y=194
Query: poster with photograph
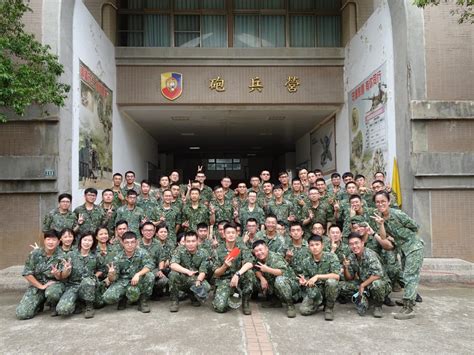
x=368, y=124
x=95, y=131
x=323, y=147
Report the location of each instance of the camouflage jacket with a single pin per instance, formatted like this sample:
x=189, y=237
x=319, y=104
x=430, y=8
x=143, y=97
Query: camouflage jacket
x=257, y=213
x=195, y=216
x=82, y=266
x=39, y=264
x=92, y=218
x=220, y=254
x=127, y=267
x=57, y=221
x=194, y=262
x=328, y=264
x=276, y=244
x=133, y=217
x=368, y=265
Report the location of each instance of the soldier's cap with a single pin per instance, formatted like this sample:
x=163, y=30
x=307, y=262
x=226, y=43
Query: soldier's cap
x=358, y=220
x=235, y=299
x=361, y=302
x=200, y=292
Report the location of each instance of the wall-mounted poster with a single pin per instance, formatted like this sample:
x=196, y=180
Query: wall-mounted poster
x=323, y=147
x=368, y=124
x=95, y=131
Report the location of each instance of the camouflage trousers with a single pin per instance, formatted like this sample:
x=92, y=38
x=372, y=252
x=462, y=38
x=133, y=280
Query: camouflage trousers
x=411, y=269
x=391, y=265
x=34, y=299
x=181, y=282
x=378, y=289
x=85, y=291
x=123, y=287
x=326, y=291
x=285, y=289
x=223, y=290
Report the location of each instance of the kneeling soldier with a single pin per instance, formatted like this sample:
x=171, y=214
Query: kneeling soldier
x=319, y=278
x=189, y=267
x=130, y=275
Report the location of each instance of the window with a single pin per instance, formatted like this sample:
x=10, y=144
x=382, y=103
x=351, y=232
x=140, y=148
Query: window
x=223, y=164
x=229, y=23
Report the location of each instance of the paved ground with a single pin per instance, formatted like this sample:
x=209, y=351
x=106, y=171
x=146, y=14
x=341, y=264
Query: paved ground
x=444, y=325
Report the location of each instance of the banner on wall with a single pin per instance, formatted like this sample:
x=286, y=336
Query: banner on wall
x=368, y=122
x=323, y=147
x=95, y=131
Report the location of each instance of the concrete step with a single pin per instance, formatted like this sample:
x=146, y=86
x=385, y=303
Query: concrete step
x=434, y=271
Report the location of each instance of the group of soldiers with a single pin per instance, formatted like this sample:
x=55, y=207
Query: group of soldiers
x=303, y=240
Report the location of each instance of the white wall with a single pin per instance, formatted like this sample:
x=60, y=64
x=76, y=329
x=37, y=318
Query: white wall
x=132, y=147
x=367, y=50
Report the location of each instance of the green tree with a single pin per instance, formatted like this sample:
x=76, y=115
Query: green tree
x=29, y=73
x=465, y=9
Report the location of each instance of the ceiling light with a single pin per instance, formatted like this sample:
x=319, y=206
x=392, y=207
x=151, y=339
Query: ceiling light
x=194, y=148
x=180, y=118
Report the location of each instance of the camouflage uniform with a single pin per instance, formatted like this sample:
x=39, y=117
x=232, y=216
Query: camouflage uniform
x=276, y=244
x=148, y=205
x=57, y=221
x=194, y=262
x=368, y=265
x=229, y=195
x=39, y=265
x=92, y=219
x=166, y=250
x=257, y=213
x=126, y=268
x=133, y=217
x=81, y=283
x=110, y=220
x=323, y=214
x=301, y=212
x=281, y=210
x=246, y=280
x=299, y=255
x=196, y=216
x=264, y=202
x=172, y=218
x=116, y=201
x=346, y=219
x=224, y=212
x=324, y=289
x=206, y=194
x=136, y=187
x=286, y=286
x=404, y=230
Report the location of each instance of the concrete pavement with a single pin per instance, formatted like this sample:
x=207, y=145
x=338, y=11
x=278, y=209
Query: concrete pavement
x=443, y=325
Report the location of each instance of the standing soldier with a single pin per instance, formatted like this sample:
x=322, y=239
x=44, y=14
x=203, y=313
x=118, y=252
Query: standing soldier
x=252, y=210
x=282, y=209
x=110, y=210
x=145, y=200
x=130, y=275
x=320, y=212
x=275, y=242
x=189, y=266
x=89, y=216
x=276, y=277
x=221, y=208
x=297, y=248
x=319, y=278
x=195, y=212
x=131, y=213
x=119, y=198
x=130, y=183
x=206, y=191
x=231, y=272
x=41, y=271
x=61, y=217
x=169, y=214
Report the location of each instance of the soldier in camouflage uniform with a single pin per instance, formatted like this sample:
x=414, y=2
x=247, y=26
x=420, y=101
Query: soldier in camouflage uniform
x=226, y=182
x=119, y=198
x=109, y=209
x=285, y=184
x=81, y=278
x=319, y=279
x=251, y=210
x=177, y=198
x=232, y=272
x=206, y=191
x=221, y=207
x=379, y=185
x=60, y=217
x=131, y=213
x=364, y=274
x=167, y=247
x=319, y=211
x=403, y=230
x=195, y=212
x=300, y=201
x=276, y=278
x=353, y=209
x=282, y=209
x=275, y=242
x=130, y=184
x=297, y=248
x=89, y=216
x=189, y=266
x=130, y=275
x=242, y=196
x=335, y=190
x=41, y=272
x=337, y=246
x=267, y=197
x=152, y=246
x=166, y=213
x=146, y=201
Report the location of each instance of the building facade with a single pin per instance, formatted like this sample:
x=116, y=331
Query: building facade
x=256, y=84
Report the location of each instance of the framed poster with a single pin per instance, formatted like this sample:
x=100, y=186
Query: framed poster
x=95, y=131
x=368, y=124
x=323, y=147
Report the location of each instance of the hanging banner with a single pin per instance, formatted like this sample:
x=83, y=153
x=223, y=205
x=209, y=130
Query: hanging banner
x=368, y=122
x=95, y=131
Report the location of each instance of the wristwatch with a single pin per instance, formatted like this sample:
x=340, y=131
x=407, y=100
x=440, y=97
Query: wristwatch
x=238, y=274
